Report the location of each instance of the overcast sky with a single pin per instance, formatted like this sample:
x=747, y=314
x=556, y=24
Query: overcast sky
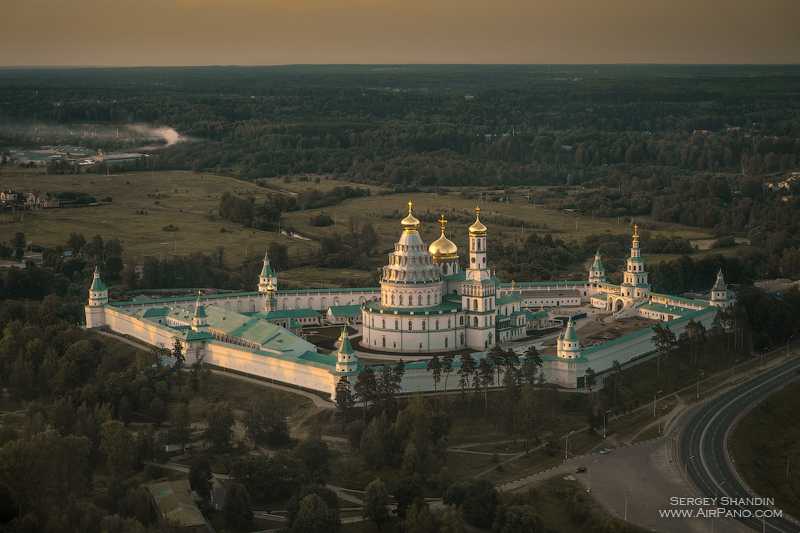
x=277, y=32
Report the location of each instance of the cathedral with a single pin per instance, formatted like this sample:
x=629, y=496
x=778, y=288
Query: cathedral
x=428, y=303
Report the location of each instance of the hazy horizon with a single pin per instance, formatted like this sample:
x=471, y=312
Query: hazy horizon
x=114, y=33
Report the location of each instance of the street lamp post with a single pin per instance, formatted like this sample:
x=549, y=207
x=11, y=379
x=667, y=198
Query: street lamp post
x=604, y=422
x=566, y=446
x=626, y=503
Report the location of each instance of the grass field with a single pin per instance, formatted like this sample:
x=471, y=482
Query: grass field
x=765, y=456
x=187, y=200
x=190, y=201
x=564, y=507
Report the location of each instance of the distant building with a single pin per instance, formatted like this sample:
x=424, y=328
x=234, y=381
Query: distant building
x=172, y=500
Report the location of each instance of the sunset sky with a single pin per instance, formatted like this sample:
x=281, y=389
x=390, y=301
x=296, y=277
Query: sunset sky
x=276, y=32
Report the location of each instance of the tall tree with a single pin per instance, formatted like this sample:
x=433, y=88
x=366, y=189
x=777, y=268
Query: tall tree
x=238, y=506
x=447, y=365
x=315, y=515
x=365, y=388
x=397, y=379
x=486, y=374
x=180, y=358
x=181, y=425
x=465, y=372
x=435, y=367
x=117, y=444
x=344, y=399
x=220, y=421
x=376, y=503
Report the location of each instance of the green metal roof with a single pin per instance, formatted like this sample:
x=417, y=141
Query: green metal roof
x=345, y=346
x=569, y=335
x=269, y=336
x=97, y=284
x=301, y=313
x=349, y=311
x=508, y=298
x=598, y=264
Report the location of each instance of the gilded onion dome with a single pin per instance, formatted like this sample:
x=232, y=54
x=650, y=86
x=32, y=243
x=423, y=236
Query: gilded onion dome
x=443, y=248
x=477, y=229
x=410, y=223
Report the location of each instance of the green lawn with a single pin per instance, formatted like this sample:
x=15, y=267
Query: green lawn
x=190, y=201
x=762, y=453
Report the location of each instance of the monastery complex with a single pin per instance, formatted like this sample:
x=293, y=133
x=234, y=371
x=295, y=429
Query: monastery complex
x=426, y=304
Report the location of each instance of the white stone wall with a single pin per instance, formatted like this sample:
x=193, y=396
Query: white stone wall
x=154, y=334
x=284, y=370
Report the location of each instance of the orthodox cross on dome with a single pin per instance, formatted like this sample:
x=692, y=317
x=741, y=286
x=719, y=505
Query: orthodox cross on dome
x=477, y=210
x=409, y=208
x=512, y=285
x=635, y=233
x=442, y=221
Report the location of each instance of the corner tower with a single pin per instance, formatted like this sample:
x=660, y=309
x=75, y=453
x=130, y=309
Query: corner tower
x=719, y=293
x=568, y=345
x=98, y=297
x=346, y=360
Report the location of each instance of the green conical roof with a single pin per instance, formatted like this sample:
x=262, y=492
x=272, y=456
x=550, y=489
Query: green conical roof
x=200, y=312
x=97, y=284
x=569, y=335
x=597, y=265
x=720, y=284
x=266, y=272
x=344, y=342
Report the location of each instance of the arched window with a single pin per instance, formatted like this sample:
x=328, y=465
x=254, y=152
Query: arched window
x=461, y=320
x=475, y=322
x=419, y=300
x=401, y=299
x=429, y=299
x=383, y=323
x=445, y=342
x=392, y=299
x=396, y=325
x=423, y=325
x=409, y=326
x=455, y=292
x=448, y=323
x=462, y=339
x=468, y=304
x=373, y=322
x=485, y=321
x=475, y=304
x=384, y=342
x=437, y=325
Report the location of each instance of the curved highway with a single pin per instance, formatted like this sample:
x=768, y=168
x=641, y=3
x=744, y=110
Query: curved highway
x=700, y=447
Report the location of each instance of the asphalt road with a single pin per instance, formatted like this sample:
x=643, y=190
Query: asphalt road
x=644, y=483
x=700, y=445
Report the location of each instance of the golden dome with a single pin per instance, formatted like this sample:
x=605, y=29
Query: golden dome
x=477, y=229
x=410, y=223
x=443, y=248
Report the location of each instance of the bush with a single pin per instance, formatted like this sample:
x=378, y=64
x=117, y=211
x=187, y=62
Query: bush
x=321, y=221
